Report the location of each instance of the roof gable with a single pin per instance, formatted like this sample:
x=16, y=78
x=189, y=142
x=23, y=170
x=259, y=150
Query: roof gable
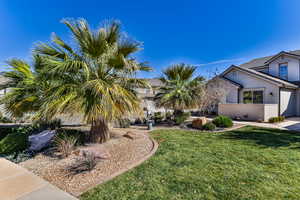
x=260, y=75
x=282, y=53
x=260, y=62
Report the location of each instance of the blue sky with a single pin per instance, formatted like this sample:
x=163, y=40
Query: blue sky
x=211, y=34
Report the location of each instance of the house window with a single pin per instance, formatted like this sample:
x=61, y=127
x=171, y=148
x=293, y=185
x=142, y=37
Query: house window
x=283, y=71
x=234, y=75
x=247, y=95
x=253, y=96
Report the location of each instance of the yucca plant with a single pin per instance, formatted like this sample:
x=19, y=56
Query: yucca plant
x=95, y=76
x=65, y=144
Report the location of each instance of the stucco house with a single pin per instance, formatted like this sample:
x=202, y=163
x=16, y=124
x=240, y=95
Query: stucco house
x=262, y=88
x=147, y=96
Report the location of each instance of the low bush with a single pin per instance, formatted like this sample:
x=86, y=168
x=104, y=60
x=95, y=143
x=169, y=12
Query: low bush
x=14, y=142
x=5, y=120
x=179, y=118
x=4, y=131
x=209, y=126
x=158, y=117
x=18, y=157
x=223, y=121
x=168, y=116
x=65, y=144
x=47, y=124
x=139, y=121
x=276, y=119
x=122, y=123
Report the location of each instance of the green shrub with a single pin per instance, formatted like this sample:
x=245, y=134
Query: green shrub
x=18, y=157
x=122, y=123
x=158, y=117
x=179, y=118
x=47, y=124
x=223, y=121
x=14, y=142
x=4, y=131
x=5, y=120
x=276, y=119
x=209, y=126
x=168, y=115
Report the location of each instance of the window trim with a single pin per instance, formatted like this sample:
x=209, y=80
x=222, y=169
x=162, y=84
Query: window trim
x=287, y=71
x=252, y=90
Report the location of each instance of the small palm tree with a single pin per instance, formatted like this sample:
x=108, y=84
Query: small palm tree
x=95, y=76
x=180, y=89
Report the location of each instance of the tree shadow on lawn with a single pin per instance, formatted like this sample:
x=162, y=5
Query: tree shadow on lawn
x=267, y=137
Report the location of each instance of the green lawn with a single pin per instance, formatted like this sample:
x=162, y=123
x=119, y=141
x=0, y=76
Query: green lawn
x=249, y=163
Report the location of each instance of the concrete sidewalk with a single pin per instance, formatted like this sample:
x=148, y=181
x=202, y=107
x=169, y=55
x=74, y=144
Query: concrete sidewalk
x=292, y=124
x=16, y=183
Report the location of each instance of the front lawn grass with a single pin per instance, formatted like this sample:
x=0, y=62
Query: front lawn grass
x=248, y=163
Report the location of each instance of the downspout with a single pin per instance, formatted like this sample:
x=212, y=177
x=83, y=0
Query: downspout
x=238, y=95
x=279, y=101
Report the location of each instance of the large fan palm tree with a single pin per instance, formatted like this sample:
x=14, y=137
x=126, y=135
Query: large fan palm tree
x=95, y=76
x=180, y=88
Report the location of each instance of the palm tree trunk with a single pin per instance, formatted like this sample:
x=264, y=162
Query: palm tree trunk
x=99, y=131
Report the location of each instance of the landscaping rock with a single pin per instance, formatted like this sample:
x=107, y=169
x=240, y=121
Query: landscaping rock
x=41, y=140
x=131, y=135
x=199, y=122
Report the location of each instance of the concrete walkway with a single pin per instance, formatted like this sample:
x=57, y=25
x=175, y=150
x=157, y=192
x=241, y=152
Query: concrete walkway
x=292, y=124
x=16, y=183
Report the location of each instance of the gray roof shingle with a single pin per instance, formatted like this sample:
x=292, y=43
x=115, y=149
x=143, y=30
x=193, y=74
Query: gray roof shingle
x=154, y=82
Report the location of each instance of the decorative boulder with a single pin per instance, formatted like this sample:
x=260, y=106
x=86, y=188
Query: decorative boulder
x=41, y=140
x=199, y=122
x=132, y=135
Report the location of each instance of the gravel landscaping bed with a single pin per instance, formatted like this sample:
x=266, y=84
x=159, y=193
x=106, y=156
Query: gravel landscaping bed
x=122, y=151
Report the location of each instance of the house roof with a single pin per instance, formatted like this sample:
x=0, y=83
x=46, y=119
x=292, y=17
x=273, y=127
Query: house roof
x=154, y=82
x=281, y=54
x=231, y=81
x=278, y=81
x=259, y=62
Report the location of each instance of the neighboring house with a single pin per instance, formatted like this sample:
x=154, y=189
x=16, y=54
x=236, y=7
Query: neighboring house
x=263, y=88
x=2, y=81
x=2, y=92
x=147, y=96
